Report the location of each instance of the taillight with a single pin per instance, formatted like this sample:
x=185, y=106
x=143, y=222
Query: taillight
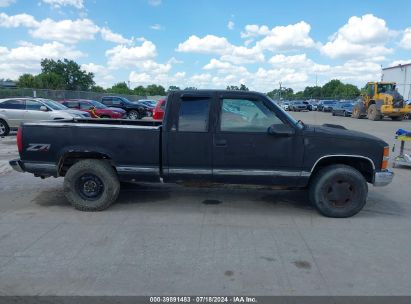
x=19, y=140
x=385, y=158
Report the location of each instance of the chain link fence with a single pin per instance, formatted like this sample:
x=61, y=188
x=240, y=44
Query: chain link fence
x=63, y=94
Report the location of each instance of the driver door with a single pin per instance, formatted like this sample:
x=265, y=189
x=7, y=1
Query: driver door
x=244, y=151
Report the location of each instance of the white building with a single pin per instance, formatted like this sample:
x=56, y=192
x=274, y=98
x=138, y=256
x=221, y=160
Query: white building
x=401, y=74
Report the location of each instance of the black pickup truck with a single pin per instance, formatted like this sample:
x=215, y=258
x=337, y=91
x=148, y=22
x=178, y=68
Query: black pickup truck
x=213, y=136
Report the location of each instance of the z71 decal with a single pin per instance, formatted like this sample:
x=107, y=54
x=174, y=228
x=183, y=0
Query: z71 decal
x=38, y=147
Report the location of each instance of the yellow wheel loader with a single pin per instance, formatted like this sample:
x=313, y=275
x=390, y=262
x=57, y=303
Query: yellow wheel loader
x=381, y=99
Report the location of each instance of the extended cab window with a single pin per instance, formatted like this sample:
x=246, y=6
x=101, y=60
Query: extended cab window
x=193, y=115
x=243, y=115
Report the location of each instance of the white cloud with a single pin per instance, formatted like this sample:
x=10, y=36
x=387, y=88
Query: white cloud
x=230, y=25
x=26, y=58
x=298, y=62
x=108, y=35
x=361, y=38
x=122, y=56
x=156, y=27
x=211, y=44
x=225, y=67
x=102, y=74
x=154, y=2
x=58, y=3
x=17, y=21
x=290, y=37
x=5, y=3
x=406, y=39
x=67, y=31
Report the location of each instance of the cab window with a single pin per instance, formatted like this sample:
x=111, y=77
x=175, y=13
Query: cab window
x=243, y=115
x=193, y=115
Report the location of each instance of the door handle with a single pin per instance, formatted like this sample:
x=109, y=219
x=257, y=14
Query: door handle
x=220, y=143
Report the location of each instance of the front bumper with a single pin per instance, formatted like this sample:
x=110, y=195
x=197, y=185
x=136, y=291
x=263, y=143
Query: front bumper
x=17, y=165
x=383, y=178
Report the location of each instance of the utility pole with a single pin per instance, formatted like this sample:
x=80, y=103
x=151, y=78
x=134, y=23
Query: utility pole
x=316, y=83
x=280, y=91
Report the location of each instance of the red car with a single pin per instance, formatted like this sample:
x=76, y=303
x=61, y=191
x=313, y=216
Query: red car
x=158, y=112
x=95, y=108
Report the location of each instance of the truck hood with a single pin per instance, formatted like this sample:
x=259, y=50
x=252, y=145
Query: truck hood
x=331, y=130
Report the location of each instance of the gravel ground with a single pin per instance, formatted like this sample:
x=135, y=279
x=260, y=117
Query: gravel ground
x=168, y=239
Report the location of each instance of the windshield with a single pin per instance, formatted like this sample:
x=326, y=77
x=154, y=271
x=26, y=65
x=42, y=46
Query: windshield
x=53, y=104
x=328, y=102
x=386, y=87
x=97, y=105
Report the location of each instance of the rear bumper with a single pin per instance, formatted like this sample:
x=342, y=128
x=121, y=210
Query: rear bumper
x=383, y=178
x=17, y=165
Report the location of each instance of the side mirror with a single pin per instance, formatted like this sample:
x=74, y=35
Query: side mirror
x=281, y=130
x=43, y=108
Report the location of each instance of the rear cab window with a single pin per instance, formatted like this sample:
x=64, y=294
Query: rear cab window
x=193, y=115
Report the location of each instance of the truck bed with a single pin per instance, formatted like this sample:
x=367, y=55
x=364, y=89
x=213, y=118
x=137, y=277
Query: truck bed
x=133, y=147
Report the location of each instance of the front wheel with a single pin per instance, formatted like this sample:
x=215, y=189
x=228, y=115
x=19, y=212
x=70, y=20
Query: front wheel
x=91, y=185
x=356, y=112
x=338, y=191
x=133, y=114
x=4, y=128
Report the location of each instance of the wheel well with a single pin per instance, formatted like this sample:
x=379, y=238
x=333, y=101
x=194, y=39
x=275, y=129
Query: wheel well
x=70, y=158
x=363, y=165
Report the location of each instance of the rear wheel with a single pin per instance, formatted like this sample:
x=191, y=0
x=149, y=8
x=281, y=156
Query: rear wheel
x=356, y=112
x=333, y=113
x=338, y=191
x=91, y=185
x=4, y=128
x=373, y=113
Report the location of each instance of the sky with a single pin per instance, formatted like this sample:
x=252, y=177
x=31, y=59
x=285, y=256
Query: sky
x=208, y=44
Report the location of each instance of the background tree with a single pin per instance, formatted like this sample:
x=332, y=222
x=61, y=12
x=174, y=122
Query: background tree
x=120, y=88
x=173, y=88
x=73, y=77
x=98, y=89
x=154, y=89
x=140, y=90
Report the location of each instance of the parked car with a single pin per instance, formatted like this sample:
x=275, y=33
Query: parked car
x=148, y=105
x=95, y=108
x=298, y=105
x=14, y=111
x=342, y=109
x=134, y=110
x=196, y=142
x=326, y=105
x=285, y=106
x=159, y=109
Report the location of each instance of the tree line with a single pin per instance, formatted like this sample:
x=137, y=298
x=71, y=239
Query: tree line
x=332, y=89
x=67, y=75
